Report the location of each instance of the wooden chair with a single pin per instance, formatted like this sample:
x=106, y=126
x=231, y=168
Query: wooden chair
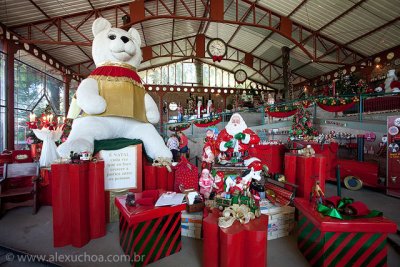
x=19, y=186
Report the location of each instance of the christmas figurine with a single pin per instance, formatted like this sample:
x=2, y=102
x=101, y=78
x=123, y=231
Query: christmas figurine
x=206, y=183
x=236, y=138
x=317, y=194
x=219, y=182
x=199, y=109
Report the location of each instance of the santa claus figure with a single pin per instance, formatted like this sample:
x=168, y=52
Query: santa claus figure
x=206, y=183
x=210, y=108
x=236, y=138
x=391, y=83
x=219, y=182
x=208, y=156
x=199, y=109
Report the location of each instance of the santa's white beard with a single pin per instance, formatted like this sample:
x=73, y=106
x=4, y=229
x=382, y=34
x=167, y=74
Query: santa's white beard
x=233, y=129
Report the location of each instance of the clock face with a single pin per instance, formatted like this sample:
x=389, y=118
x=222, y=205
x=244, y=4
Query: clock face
x=240, y=76
x=216, y=47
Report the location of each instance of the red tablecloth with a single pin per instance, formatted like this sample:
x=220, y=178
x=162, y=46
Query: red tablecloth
x=78, y=203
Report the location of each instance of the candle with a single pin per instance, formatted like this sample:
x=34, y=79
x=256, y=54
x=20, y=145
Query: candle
x=32, y=117
x=58, y=120
x=51, y=117
x=63, y=119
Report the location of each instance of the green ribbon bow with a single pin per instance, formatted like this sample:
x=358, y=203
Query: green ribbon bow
x=334, y=212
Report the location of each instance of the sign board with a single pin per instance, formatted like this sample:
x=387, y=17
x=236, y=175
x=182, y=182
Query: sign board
x=123, y=168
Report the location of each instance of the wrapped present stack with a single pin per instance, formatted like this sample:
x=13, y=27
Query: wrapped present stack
x=280, y=221
x=191, y=224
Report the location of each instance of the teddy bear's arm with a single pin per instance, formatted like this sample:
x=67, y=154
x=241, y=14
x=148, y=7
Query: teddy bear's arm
x=152, y=113
x=88, y=97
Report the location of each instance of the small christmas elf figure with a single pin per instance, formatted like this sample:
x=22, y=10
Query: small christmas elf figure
x=317, y=194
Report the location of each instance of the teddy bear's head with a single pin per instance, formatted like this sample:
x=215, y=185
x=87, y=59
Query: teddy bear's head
x=114, y=44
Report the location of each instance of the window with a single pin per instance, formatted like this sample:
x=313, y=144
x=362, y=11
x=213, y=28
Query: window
x=219, y=78
x=206, y=75
x=212, y=76
x=172, y=74
x=34, y=92
x=189, y=73
x=179, y=73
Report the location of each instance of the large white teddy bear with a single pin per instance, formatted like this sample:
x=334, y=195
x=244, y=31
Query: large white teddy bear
x=112, y=99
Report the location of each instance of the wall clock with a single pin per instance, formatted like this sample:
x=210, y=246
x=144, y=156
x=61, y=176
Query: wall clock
x=217, y=49
x=240, y=76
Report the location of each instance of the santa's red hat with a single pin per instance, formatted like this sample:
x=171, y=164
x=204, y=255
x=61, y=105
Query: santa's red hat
x=256, y=165
x=220, y=174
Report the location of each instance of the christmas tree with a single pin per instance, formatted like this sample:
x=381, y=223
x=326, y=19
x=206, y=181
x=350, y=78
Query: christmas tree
x=302, y=125
x=349, y=85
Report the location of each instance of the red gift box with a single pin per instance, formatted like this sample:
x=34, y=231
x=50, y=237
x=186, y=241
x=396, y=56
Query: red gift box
x=236, y=246
x=157, y=230
x=327, y=241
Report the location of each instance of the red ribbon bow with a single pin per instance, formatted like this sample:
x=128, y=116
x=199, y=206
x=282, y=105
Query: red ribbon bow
x=217, y=58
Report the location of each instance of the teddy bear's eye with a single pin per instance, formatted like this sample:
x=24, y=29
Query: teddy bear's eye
x=112, y=36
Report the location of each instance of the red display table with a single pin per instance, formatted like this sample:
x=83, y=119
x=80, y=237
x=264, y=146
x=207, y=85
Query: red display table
x=366, y=171
x=45, y=192
x=236, y=246
x=78, y=209
x=148, y=233
x=305, y=171
x=270, y=155
x=326, y=241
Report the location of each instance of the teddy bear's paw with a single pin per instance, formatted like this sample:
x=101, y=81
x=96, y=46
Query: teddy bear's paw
x=162, y=153
x=77, y=146
x=153, y=116
x=96, y=105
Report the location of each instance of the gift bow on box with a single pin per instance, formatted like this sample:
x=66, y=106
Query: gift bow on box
x=359, y=208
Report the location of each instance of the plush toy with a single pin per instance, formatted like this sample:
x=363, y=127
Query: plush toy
x=112, y=99
x=391, y=83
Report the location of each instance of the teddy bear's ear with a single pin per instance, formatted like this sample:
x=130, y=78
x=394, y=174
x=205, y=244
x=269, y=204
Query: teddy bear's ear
x=100, y=25
x=135, y=35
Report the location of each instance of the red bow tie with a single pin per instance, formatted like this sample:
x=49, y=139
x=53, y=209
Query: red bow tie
x=217, y=58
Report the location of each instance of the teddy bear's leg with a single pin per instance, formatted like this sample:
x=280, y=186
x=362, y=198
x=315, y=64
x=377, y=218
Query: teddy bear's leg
x=83, y=133
x=152, y=141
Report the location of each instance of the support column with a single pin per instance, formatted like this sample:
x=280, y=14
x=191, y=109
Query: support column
x=287, y=73
x=10, y=49
x=67, y=82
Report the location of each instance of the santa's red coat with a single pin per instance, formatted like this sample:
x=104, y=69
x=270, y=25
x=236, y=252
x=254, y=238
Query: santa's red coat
x=224, y=136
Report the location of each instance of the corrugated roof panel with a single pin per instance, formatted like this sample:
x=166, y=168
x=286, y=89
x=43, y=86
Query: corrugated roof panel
x=352, y=25
x=262, y=48
x=385, y=9
x=379, y=41
x=104, y=3
x=280, y=40
x=223, y=31
x=315, y=14
x=62, y=7
x=230, y=13
x=246, y=40
x=279, y=6
x=185, y=28
x=310, y=71
x=183, y=45
x=157, y=31
x=74, y=55
x=271, y=53
x=196, y=8
x=18, y=12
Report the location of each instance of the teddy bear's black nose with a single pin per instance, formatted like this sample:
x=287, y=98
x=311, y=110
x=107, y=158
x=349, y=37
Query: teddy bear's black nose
x=124, y=39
